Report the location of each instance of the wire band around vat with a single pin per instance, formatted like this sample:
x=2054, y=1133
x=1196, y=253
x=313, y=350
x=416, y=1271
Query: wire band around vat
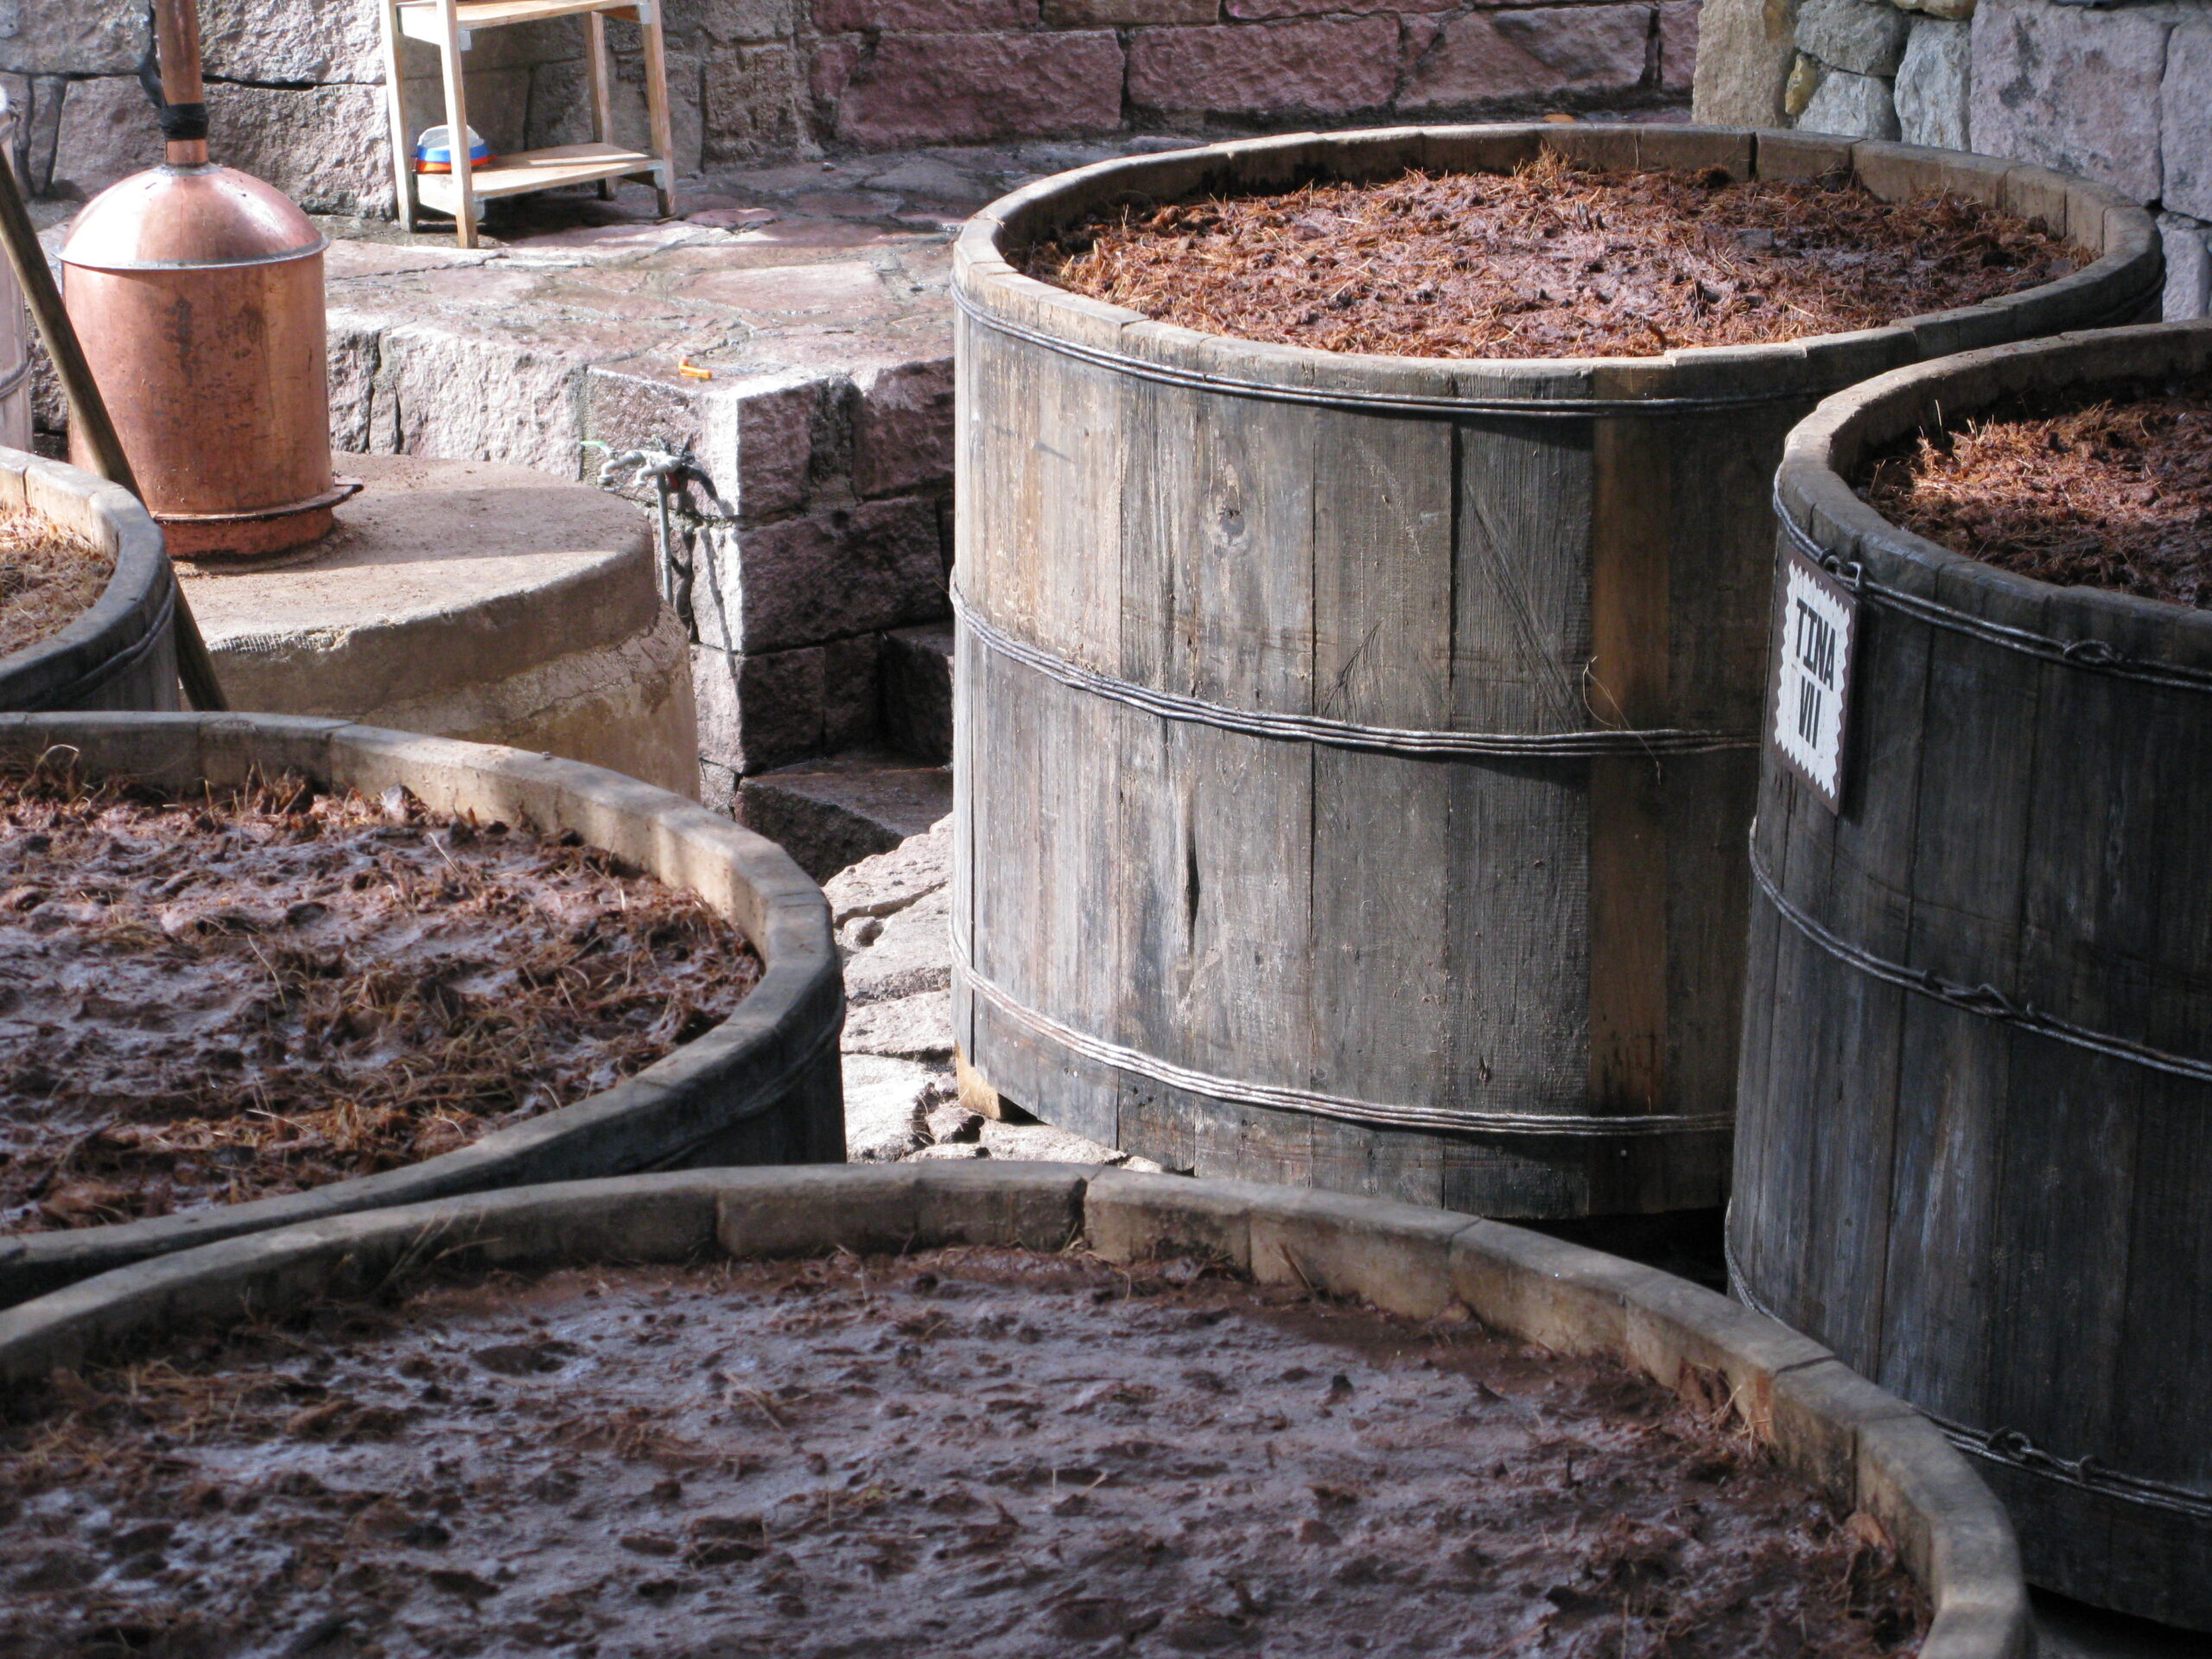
x=2094, y=655
x=1380, y=402
x=1986, y=1000
x=1371, y=1113
x=105, y=671
x=1340, y=733
x=2009, y=1446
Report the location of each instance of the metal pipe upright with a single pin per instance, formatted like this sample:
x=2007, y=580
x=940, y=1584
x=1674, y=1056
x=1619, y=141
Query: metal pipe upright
x=176, y=35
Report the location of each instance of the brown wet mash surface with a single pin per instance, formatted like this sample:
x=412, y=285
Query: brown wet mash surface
x=1552, y=260
x=2113, y=494
x=204, y=1000
x=49, y=576
x=978, y=1453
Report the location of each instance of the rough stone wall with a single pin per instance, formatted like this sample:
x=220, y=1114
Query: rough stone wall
x=2119, y=95
x=295, y=85
x=296, y=90
x=819, y=521
x=887, y=72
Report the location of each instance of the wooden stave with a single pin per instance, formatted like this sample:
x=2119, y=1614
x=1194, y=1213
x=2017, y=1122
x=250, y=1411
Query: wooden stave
x=2085, y=1239
x=120, y=654
x=1012, y=591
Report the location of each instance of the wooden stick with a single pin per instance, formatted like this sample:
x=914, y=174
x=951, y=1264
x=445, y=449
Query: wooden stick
x=602, y=89
x=195, y=667
x=401, y=151
x=657, y=112
x=177, y=27
x=464, y=161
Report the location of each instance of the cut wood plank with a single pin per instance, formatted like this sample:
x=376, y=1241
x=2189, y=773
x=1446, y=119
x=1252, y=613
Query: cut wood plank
x=536, y=169
x=495, y=14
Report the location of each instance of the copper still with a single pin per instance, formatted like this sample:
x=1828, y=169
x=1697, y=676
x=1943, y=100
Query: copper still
x=197, y=290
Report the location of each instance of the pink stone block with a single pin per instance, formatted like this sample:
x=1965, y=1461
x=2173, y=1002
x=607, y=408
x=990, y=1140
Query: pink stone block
x=826, y=575
x=1678, y=43
x=832, y=69
x=1487, y=57
x=923, y=17
x=1264, y=9
x=1091, y=13
x=1329, y=67
x=902, y=432
x=775, y=440
x=958, y=88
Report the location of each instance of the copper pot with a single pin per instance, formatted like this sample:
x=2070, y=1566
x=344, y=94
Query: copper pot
x=197, y=290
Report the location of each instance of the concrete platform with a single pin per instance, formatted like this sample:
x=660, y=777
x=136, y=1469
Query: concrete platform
x=791, y=334
x=468, y=599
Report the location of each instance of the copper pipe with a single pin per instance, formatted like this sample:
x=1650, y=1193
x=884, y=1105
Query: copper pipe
x=176, y=26
x=195, y=667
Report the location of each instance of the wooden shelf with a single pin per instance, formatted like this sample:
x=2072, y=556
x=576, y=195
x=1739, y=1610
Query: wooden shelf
x=536, y=169
x=419, y=18
x=446, y=27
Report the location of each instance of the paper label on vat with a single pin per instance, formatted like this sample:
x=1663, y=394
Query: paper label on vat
x=1819, y=626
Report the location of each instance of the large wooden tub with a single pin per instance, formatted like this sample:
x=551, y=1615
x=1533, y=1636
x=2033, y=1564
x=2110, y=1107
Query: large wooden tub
x=763, y=1086
x=121, y=653
x=1976, y=1148
x=1289, y=846
x=1864, y=1449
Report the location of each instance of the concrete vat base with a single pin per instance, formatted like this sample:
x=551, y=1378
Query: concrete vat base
x=468, y=599
x=1867, y=1449
x=761, y=1087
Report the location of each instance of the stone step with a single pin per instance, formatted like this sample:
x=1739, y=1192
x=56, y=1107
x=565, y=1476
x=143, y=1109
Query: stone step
x=832, y=813
x=465, y=599
x=915, y=674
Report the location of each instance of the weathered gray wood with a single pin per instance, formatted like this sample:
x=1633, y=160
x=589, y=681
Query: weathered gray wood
x=1180, y=914
x=1519, y=902
x=1376, y=930
x=1628, y=683
x=1855, y=1145
x=121, y=653
x=2005, y=1227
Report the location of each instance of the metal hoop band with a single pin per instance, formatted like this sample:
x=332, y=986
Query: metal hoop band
x=2012, y=1450
x=1986, y=1000
x=1340, y=733
x=1378, y=402
x=1529, y=1125
x=2092, y=655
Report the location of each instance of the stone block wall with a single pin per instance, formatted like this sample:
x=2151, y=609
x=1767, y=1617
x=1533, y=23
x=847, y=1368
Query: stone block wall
x=295, y=85
x=889, y=72
x=820, y=522
x=2118, y=94
x=296, y=90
